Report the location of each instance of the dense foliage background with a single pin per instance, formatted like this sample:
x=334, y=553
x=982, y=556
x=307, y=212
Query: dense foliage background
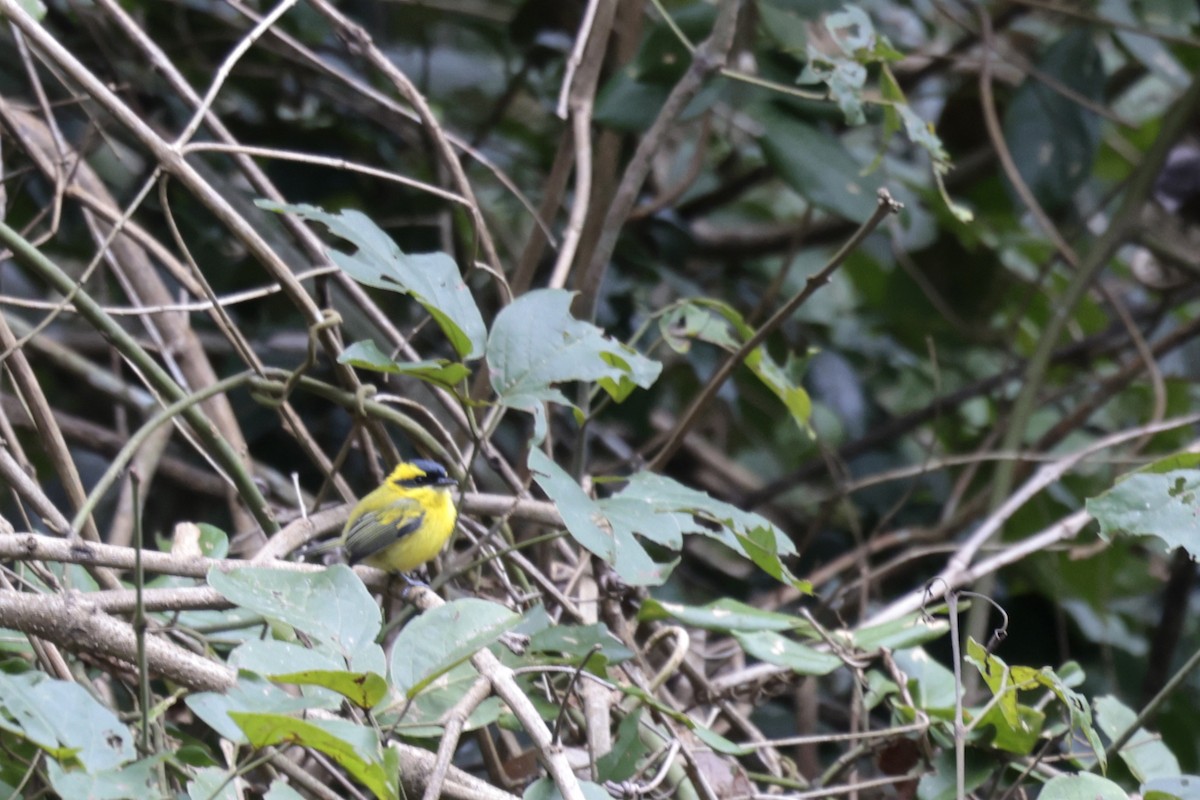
x=755, y=331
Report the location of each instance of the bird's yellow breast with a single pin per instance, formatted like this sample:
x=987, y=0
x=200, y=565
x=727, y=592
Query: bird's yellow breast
x=423, y=544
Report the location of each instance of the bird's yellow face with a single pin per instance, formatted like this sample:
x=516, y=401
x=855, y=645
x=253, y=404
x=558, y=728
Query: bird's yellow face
x=427, y=483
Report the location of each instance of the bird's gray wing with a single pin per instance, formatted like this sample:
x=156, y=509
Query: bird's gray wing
x=373, y=531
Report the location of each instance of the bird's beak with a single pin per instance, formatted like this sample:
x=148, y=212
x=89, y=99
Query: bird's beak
x=446, y=481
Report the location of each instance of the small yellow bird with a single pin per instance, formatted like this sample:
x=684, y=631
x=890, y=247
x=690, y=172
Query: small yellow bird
x=403, y=523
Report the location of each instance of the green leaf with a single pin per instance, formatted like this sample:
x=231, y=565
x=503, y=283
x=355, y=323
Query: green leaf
x=654, y=500
x=718, y=323
x=354, y=748
x=23, y=714
x=1164, y=505
x=213, y=783
x=900, y=634
x=139, y=779
x=445, y=636
x=577, y=641
x=818, y=167
x=536, y=344
x=1078, y=711
x=1015, y=723
x=1178, y=461
x=282, y=791
x=1083, y=786
x=1017, y=726
x=364, y=689
x=251, y=693
x=725, y=615
x=1054, y=138
x=999, y=679
x=606, y=537
x=662, y=511
x=440, y=371
x=32, y=707
x=719, y=743
x=1145, y=754
x=621, y=763
x=787, y=389
x=271, y=657
x=332, y=606
x=772, y=648
x=544, y=789
x=423, y=715
x=1183, y=787
x=214, y=542
x=932, y=685
x=940, y=783
x=432, y=279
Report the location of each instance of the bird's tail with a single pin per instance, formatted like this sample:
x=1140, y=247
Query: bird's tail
x=312, y=549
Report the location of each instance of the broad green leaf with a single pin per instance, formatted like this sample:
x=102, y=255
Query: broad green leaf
x=719, y=743
x=1053, y=138
x=587, y=523
x=725, y=615
x=1183, y=787
x=718, y=323
x=662, y=511
x=367, y=355
x=353, y=747
x=214, y=542
x=536, y=344
x=21, y=713
x=577, y=641
x=628, y=750
x=900, y=634
x=332, y=605
x=213, y=783
x=1164, y=505
x=1178, y=461
x=932, y=685
x=1078, y=711
x=772, y=648
x=270, y=657
x=788, y=389
x=658, y=500
x=282, y=791
x=32, y=707
x=424, y=715
x=251, y=693
x=544, y=789
x=364, y=689
x=818, y=167
x=432, y=279
x=1017, y=726
x=1083, y=786
x=940, y=783
x=138, y=779
x=1003, y=683
x=100, y=740
x=1145, y=754
x=443, y=637
x=1021, y=737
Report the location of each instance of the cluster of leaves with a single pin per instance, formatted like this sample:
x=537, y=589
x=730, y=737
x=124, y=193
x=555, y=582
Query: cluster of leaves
x=778, y=542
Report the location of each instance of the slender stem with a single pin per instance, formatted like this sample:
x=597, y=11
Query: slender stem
x=32, y=258
x=885, y=207
x=1149, y=710
x=139, y=615
x=110, y=476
